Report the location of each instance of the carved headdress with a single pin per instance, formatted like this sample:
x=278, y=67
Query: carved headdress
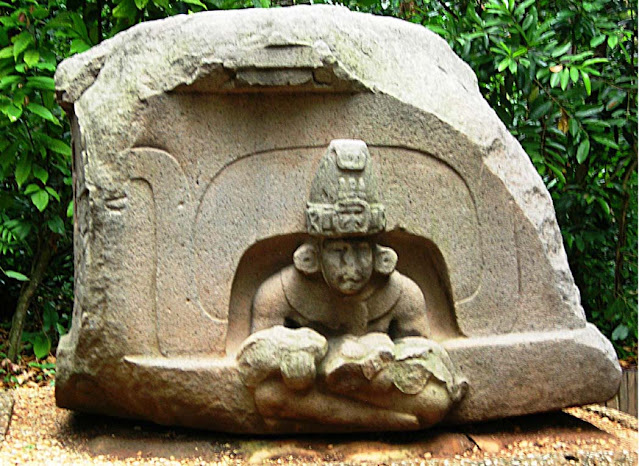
x=343, y=199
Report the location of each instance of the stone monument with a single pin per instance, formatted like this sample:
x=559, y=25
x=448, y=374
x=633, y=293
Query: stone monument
x=308, y=220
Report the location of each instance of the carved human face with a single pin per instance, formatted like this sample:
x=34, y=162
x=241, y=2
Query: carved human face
x=347, y=265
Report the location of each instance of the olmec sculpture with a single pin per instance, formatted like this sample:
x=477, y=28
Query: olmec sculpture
x=308, y=219
x=346, y=299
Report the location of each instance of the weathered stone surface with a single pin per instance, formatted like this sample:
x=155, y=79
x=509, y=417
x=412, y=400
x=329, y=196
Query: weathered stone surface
x=6, y=410
x=196, y=143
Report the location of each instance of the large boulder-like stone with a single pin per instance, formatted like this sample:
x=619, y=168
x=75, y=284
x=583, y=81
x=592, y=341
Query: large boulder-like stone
x=198, y=141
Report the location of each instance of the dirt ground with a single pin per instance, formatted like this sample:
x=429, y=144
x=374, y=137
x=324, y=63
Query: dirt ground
x=41, y=433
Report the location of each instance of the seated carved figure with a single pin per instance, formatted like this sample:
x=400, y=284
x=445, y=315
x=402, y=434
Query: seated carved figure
x=340, y=337
x=342, y=286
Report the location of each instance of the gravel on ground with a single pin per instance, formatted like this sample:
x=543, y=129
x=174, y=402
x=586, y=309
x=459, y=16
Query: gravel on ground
x=43, y=434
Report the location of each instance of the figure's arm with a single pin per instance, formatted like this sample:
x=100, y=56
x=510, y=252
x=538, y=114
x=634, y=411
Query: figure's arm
x=410, y=319
x=270, y=307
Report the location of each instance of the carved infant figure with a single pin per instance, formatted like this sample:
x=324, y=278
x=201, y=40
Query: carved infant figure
x=340, y=337
x=342, y=286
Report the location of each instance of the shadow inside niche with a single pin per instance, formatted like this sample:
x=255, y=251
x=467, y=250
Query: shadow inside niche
x=418, y=258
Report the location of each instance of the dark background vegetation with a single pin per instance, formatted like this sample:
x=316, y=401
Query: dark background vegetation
x=561, y=75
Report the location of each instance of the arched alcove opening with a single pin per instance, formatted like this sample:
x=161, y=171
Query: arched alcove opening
x=258, y=262
x=418, y=259
x=421, y=260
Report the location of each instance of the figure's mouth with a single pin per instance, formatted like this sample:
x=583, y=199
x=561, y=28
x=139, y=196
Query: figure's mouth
x=350, y=283
x=350, y=279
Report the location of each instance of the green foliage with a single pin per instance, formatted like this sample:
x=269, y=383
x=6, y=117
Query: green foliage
x=561, y=75
x=35, y=161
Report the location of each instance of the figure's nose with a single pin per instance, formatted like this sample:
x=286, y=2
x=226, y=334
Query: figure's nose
x=349, y=258
x=351, y=263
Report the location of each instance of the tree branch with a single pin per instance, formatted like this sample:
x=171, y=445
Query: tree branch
x=623, y=225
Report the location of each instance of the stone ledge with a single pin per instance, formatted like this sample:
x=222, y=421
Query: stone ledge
x=525, y=363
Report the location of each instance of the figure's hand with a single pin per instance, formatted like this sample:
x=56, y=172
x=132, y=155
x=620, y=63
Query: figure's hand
x=417, y=359
x=298, y=369
x=352, y=362
x=293, y=353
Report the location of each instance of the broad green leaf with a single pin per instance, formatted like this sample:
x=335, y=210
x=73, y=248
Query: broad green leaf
x=40, y=199
x=565, y=77
x=78, y=46
x=528, y=21
x=11, y=111
x=523, y=6
x=21, y=42
x=604, y=205
x=594, y=61
x=31, y=57
x=44, y=66
x=613, y=40
x=597, y=40
x=574, y=74
x=557, y=173
x=32, y=188
x=16, y=275
x=41, y=346
x=561, y=50
x=70, y=209
x=574, y=128
x=40, y=13
x=554, y=79
x=40, y=173
x=58, y=146
x=596, y=123
x=606, y=141
x=587, y=84
x=140, y=4
x=582, y=150
x=564, y=14
x=41, y=82
x=589, y=112
x=42, y=112
x=164, y=4
x=23, y=170
x=503, y=64
x=56, y=225
x=579, y=56
x=520, y=51
x=264, y=3
x=6, y=52
x=534, y=93
x=53, y=193
x=125, y=9
x=620, y=332
x=6, y=81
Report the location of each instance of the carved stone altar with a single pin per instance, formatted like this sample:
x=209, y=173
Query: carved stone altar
x=307, y=219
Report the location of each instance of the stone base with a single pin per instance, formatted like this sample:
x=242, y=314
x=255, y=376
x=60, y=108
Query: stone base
x=507, y=375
